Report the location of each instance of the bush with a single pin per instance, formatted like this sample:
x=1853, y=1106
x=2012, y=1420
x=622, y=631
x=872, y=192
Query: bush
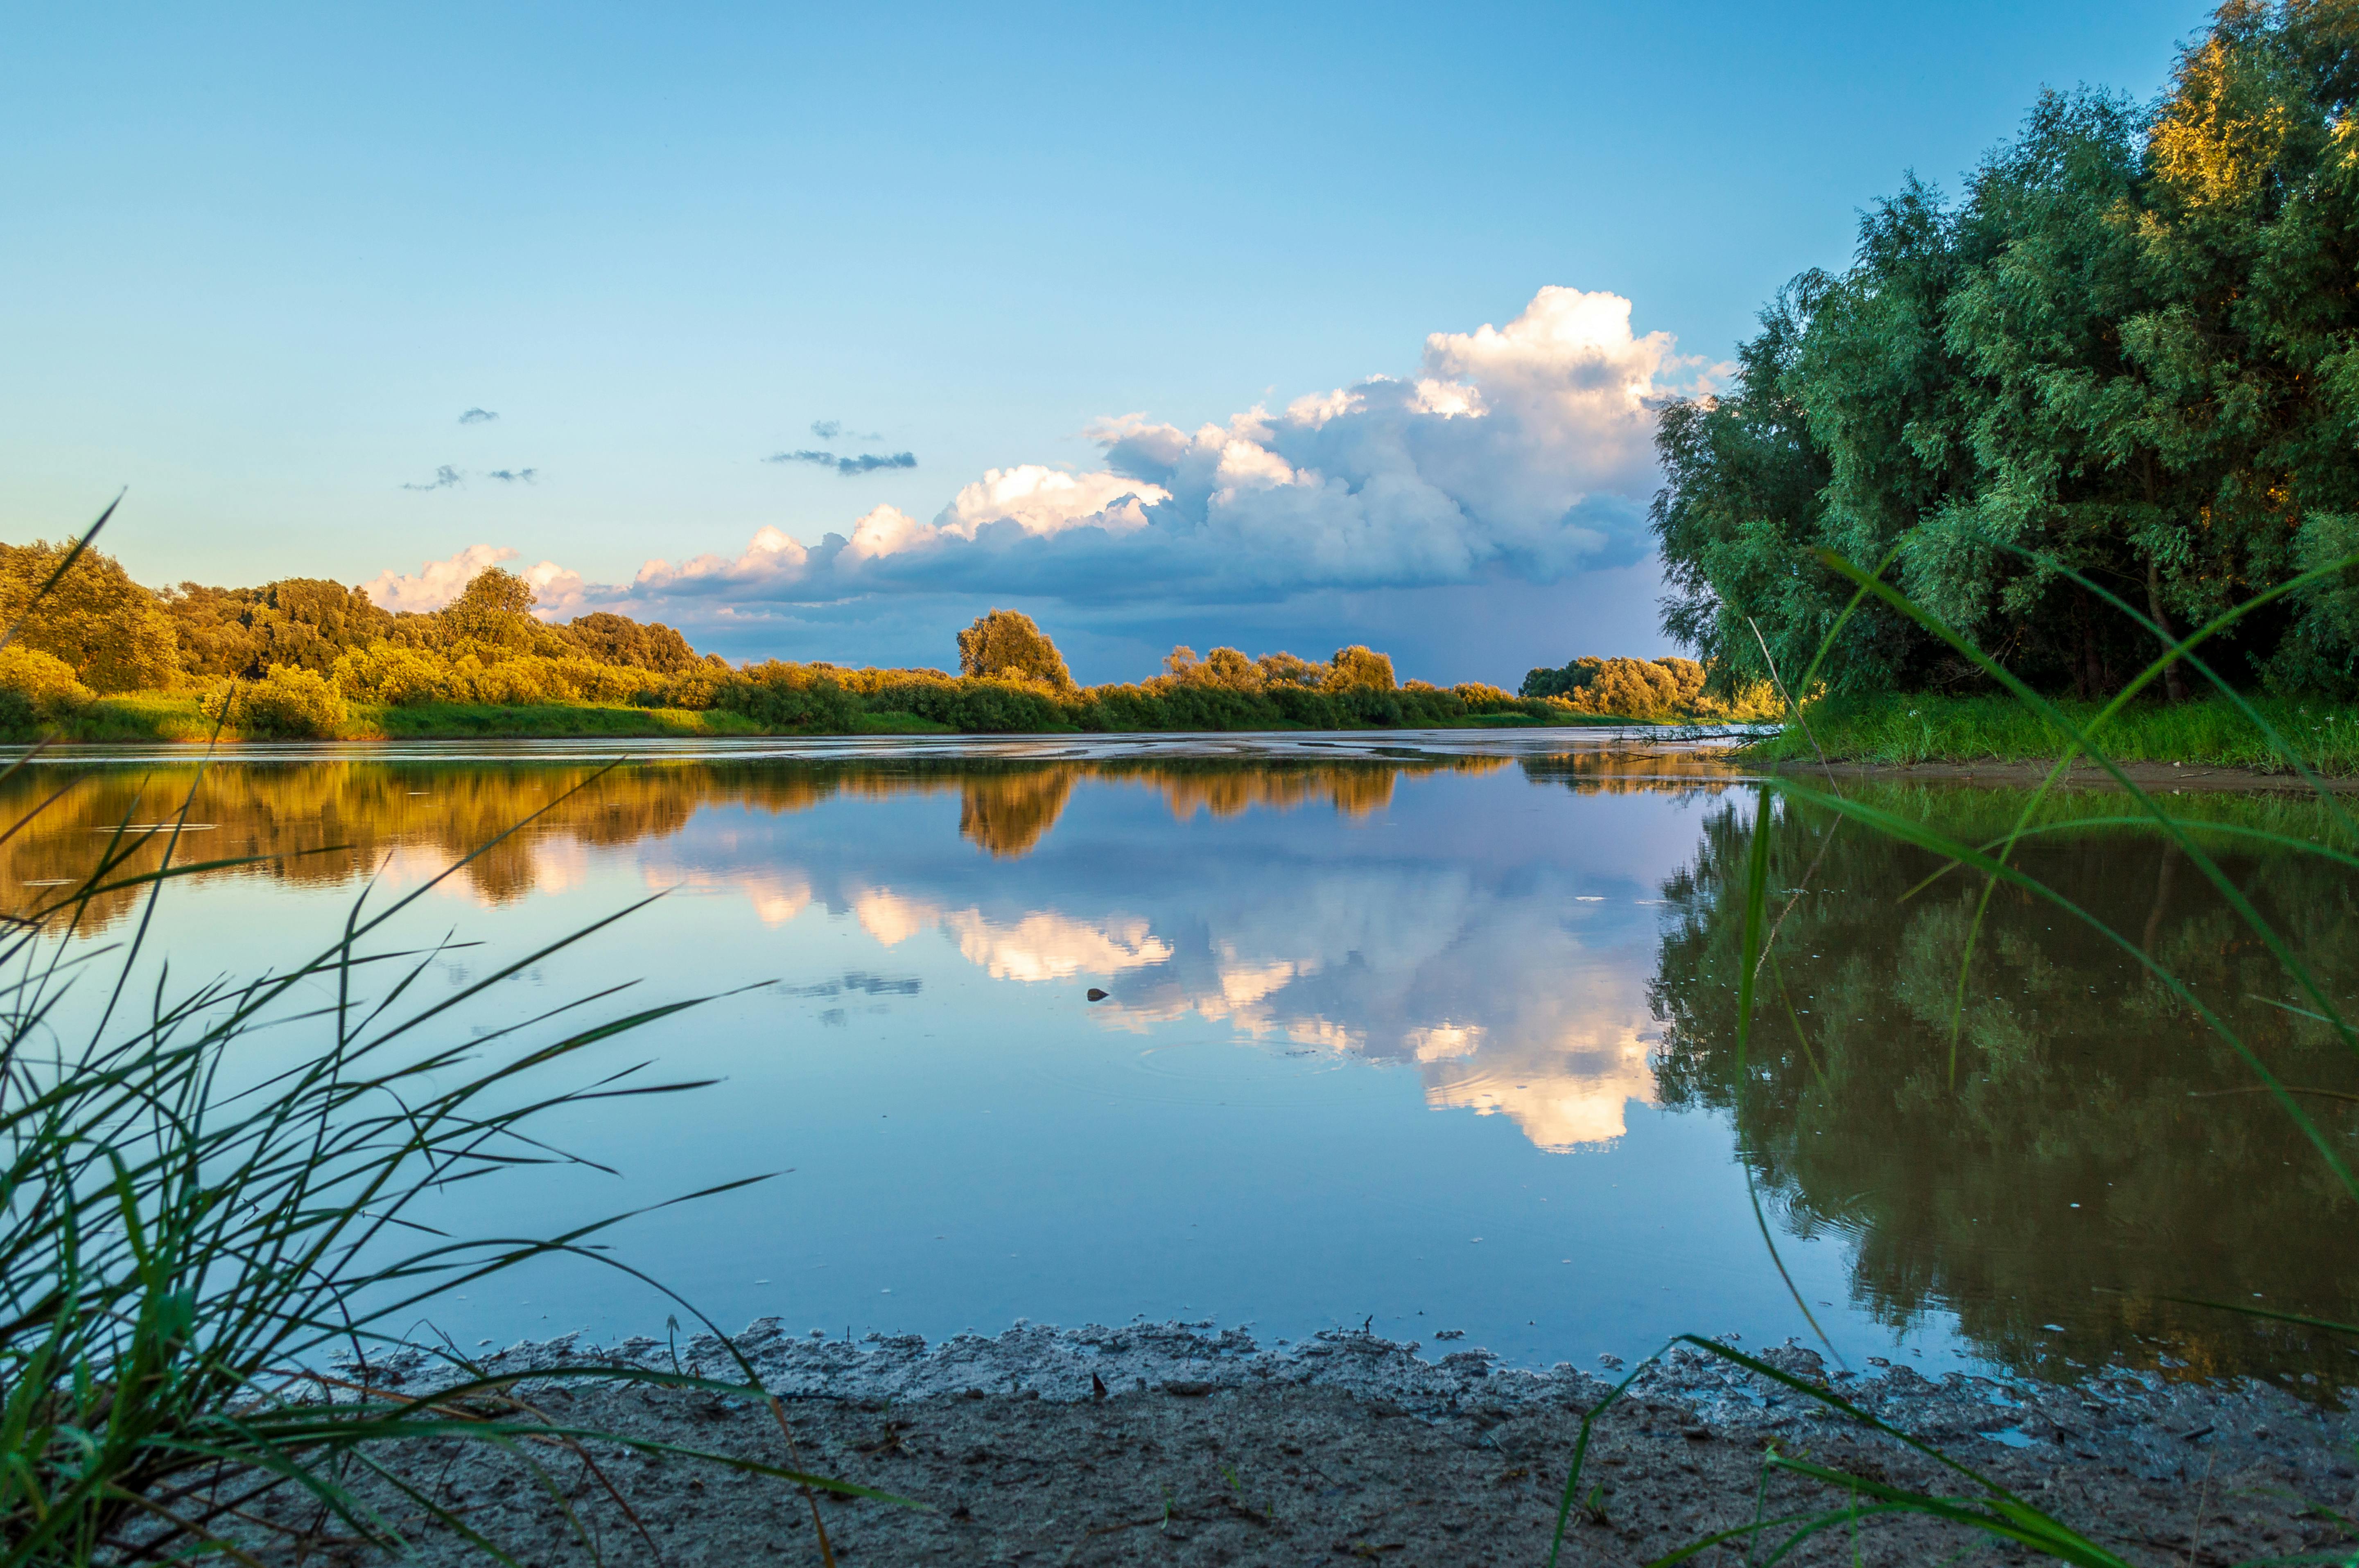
x=391, y=676
x=782, y=696
x=286, y=701
x=38, y=687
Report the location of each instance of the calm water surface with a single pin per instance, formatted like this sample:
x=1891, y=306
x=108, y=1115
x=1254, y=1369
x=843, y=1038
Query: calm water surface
x=1436, y=1031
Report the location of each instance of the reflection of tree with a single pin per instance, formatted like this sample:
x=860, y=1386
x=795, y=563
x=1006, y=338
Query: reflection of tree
x=1008, y=814
x=1632, y=773
x=325, y=824
x=2078, y=1080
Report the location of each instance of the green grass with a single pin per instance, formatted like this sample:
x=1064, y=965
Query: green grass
x=454, y=720
x=1900, y=731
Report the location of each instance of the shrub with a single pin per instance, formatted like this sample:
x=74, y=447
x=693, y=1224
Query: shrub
x=392, y=676
x=781, y=696
x=40, y=686
x=698, y=686
x=286, y=701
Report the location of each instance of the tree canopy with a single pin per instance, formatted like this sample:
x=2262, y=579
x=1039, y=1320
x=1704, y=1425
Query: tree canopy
x=109, y=631
x=1007, y=642
x=2130, y=349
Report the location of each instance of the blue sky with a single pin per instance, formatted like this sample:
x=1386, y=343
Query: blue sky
x=257, y=262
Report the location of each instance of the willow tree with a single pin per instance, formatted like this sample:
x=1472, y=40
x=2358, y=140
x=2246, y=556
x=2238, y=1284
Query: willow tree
x=2126, y=352
x=1007, y=642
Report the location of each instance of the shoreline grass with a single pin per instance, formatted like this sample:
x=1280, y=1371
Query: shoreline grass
x=149, y=716
x=1902, y=731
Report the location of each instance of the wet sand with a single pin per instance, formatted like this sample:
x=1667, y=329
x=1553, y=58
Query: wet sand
x=1175, y=1443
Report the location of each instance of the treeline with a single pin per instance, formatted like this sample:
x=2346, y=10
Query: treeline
x=1651, y=688
x=1011, y=678
x=307, y=657
x=2129, y=350
x=291, y=656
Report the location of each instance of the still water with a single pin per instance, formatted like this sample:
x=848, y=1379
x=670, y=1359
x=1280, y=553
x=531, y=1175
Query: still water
x=1431, y=1031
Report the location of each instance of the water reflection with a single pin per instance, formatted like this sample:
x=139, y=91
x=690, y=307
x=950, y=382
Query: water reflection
x=330, y=823
x=2090, y=1150
x=1543, y=946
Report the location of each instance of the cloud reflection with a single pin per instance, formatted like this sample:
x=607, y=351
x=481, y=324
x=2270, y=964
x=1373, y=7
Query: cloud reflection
x=1511, y=985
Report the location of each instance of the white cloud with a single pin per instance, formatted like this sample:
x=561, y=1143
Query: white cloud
x=436, y=583
x=560, y=594
x=1523, y=451
x=1043, y=501
x=772, y=558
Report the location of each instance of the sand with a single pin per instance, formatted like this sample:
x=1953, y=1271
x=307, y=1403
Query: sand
x=1176, y=1444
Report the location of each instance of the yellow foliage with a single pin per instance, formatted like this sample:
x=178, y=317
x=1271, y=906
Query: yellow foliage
x=111, y=633
x=44, y=682
x=286, y=701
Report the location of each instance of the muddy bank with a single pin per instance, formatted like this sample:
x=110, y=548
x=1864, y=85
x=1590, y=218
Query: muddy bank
x=1177, y=1443
x=2152, y=777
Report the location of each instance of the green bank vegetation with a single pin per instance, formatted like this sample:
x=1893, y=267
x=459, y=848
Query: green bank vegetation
x=1905, y=729
x=2103, y=394
x=100, y=658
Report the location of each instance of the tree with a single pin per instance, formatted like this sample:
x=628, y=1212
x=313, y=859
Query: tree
x=1007, y=642
x=614, y=639
x=1358, y=668
x=2131, y=351
x=495, y=607
x=112, y=633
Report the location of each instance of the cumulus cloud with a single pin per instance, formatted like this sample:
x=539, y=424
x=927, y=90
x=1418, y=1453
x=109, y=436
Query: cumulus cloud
x=1521, y=452
x=865, y=462
x=561, y=593
x=445, y=477
x=477, y=416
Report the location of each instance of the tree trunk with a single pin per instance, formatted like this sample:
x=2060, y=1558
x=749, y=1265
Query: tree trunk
x=2173, y=684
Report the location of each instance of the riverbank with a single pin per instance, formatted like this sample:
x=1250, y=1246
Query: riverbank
x=152, y=718
x=1173, y=1442
x=1912, y=732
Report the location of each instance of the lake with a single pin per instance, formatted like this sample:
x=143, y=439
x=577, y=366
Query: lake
x=1434, y=1032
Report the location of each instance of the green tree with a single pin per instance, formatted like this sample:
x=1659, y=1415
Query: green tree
x=495, y=607
x=1007, y=642
x=112, y=633
x=2131, y=349
x=612, y=639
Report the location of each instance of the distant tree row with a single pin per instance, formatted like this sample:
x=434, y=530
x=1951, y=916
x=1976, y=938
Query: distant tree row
x=2129, y=350
x=1649, y=688
x=289, y=655
x=1012, y=678
x=293, y=657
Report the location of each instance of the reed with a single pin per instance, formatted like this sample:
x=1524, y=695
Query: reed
x=197, y=1273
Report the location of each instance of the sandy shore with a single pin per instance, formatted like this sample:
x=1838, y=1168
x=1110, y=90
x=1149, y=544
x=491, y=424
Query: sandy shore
x=1177, y=1442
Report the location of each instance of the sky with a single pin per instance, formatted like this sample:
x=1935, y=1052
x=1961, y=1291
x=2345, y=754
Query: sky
x=816, y=332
